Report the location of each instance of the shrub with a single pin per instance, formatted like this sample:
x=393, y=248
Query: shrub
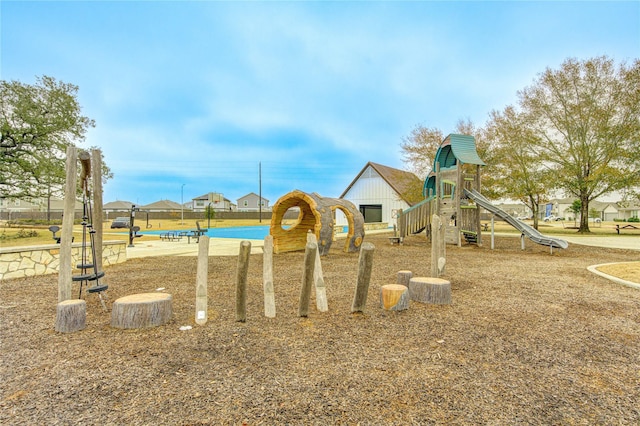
x=634, y=219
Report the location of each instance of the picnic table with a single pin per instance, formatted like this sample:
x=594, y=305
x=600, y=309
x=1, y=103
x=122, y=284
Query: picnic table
x=629, y=226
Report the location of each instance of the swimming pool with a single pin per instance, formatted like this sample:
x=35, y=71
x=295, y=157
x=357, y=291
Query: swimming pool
x=239, y=232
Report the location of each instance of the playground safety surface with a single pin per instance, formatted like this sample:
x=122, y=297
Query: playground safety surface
x=530, y=338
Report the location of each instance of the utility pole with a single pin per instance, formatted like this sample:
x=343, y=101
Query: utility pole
x=260, y=191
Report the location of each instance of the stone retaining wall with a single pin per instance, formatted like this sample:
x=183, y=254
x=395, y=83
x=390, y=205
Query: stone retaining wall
x=18, y=262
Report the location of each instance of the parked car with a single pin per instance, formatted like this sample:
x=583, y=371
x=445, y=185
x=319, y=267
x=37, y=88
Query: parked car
x=550, y=218
x=120, y=222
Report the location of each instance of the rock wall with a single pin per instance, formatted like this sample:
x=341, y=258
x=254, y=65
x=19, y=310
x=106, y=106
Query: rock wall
x=18, y=262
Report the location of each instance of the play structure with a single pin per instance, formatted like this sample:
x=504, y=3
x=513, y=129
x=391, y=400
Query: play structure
x=452, y=192
x=316, y=215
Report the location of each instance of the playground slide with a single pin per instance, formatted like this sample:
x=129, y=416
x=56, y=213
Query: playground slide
x=527, y=230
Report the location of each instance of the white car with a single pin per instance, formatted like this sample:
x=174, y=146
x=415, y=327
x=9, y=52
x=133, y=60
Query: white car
x=550, y=218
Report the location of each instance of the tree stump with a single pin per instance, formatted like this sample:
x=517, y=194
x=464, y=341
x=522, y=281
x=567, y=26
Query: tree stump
x=71, y=315
x=430, y=290
x=394, y=297
x=141, y=310
x=404, y=277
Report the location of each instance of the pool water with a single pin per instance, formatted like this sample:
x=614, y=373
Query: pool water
x=240, y=232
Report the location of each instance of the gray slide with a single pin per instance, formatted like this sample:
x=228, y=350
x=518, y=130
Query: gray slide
x=527, y=230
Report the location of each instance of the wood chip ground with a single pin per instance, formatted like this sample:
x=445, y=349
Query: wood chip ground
x=530, y=338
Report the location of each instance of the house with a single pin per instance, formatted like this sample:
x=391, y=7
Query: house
x=27, y=207
x=117, y=206
x=163, y=206
x=250, y=203
x=215, y=200
x=380, y=191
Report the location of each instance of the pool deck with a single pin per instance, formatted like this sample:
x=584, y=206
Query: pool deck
x=152, y=245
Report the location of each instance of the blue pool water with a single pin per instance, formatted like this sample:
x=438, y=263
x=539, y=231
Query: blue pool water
x=240, y=232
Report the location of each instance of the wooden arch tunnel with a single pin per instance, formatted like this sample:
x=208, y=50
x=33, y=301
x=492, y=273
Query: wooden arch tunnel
x=316, y=215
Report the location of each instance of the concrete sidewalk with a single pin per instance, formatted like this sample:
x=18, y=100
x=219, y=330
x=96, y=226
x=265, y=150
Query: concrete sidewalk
x=149, y=246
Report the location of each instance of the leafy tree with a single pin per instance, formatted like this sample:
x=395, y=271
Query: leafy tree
x=517, y=172
x=37, y=123
x=419, y=149
x=584, y=119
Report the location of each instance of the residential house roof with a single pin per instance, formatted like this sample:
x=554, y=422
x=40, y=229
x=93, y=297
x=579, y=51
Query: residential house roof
x=162, y=205
x=118, y=205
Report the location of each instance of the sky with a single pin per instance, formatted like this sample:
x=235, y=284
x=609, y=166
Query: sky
x=193, y=97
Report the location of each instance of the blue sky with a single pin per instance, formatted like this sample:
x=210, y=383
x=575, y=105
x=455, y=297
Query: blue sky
x=190, y=97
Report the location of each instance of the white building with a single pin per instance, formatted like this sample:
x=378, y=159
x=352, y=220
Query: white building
x=379, y=192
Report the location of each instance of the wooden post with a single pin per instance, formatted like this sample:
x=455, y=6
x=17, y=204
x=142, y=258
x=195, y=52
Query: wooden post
x=365, y=265
x=96, y=220
x=438, y=247
x=66, y=234
x=202, y=271
x=522, y=241
x=310, y=253
x=404, y=277
x=318, y=278
x=493, y=239
x=478, y=221
x=267, y=278
x=241, y=281
x=71, y=315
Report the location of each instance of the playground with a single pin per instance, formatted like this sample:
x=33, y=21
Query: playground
x=529, y=338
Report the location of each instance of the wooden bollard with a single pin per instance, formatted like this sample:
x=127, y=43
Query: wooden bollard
x=267, y=278
x=404, y=277
x=430, y=290
x=141, y=310
x=71, y=315
x=318, y=278
x=394, y=297
x=365, y=265
x=438, y=247
x=201, y=281
x=241, y=281
x=310, y=253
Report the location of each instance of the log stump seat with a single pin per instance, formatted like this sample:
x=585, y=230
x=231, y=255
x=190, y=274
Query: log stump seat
x=141, y=310
x=394, y=297
x=430, y=290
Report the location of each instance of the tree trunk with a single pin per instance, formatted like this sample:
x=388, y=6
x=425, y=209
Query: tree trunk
x=71, y=316
x=141, y=310
x=584, y=214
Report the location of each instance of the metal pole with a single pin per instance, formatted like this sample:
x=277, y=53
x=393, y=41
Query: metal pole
x=182, y=204
x=260, y=192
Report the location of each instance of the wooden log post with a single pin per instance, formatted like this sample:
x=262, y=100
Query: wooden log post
x=310, y=254
x=141, y=310
x=97, y=210
x=241, y=281
x=66, y=234
x=202, y=272
x=394, y=297
x=430, y=290
x=404, y=277
x=318, y=278
x=365, y=265
x=71, y=315
x=267, y=278
x=438, y=247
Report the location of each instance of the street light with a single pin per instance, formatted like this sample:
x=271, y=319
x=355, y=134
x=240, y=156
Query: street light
x=182, y=204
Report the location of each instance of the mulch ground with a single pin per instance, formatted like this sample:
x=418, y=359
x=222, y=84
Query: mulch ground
x=530, y=338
